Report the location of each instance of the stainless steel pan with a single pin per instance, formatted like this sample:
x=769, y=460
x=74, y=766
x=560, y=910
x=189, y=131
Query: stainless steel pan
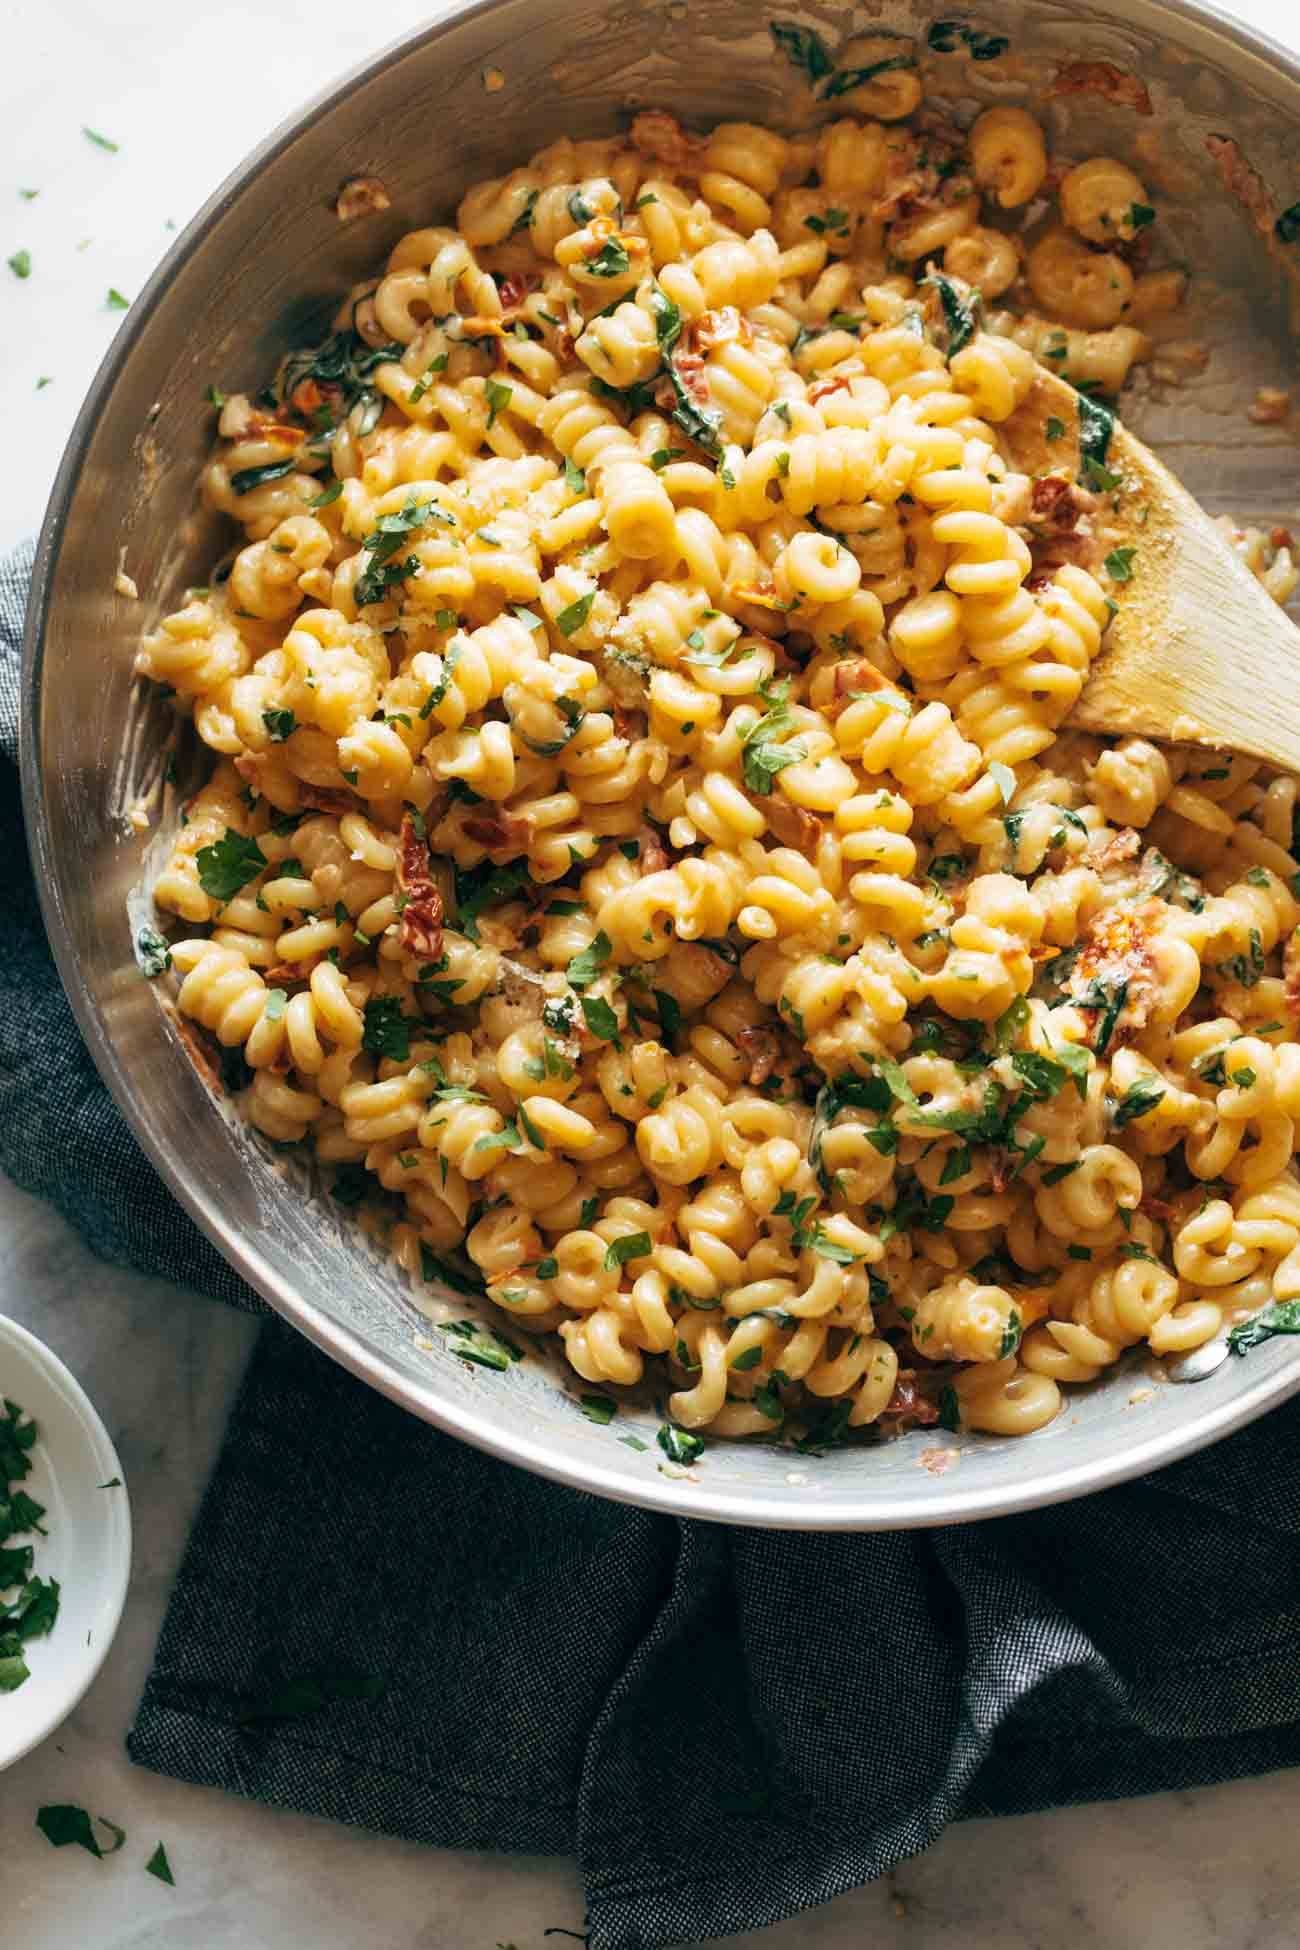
x=236, y=289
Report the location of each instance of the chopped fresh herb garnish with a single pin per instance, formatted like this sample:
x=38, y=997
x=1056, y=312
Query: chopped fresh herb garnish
x=279, y=725
x=63, y=1824
x=571, y=619
x=803, y=48
x=633, y=1245
x=229, y=864
x=850, y=78
x=959, y=314
x=584, y=968
x=1138, y=1099
x=327, y=495
x=599, y=1409
x=386, y=1032
x=1119, y=564
x=600, y=1018
x=1140, y=215
x=498, y=398
x=390, y=531
x=100, y=141
x=483, y=1346
x=1054, y=428
x=949, y=1409
x=21, y=264
x=159, y=1866
x=116, y=302
x=155, y=955
x=679, y=1445
x=248, y=478
x=764, y=753
x=1096, y=425
x=1279, y=1317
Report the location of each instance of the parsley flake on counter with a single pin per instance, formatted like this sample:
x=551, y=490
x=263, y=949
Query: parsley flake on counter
x=100, y=141
x=64, y=1824
x=21, y=264
x=159, y=1866
x=115, y=301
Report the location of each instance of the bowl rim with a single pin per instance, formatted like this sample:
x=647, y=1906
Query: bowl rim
x=866, y=1510
x=81, y=1664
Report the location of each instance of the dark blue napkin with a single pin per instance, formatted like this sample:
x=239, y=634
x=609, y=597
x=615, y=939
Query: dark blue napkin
x=375, y=1623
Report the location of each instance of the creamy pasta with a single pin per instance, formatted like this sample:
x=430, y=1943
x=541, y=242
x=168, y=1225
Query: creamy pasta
x=644, y=861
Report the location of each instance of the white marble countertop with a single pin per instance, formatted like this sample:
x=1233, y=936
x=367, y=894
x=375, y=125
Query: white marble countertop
x=185, y=92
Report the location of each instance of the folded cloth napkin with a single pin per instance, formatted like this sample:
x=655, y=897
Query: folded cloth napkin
x=724, y=1726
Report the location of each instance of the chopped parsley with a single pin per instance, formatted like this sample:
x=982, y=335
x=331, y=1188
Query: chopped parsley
x=633, y=1245
x=571, y=619
x=1119, y=563
x=483, y=1346
x=155, y=955
x=100, y=141
x=159, y=1866
x=1138, y=1099
x=586, y=966
x=1279, y=1317
x=390, y=531
x=387, y=1032
x=229, y=864
x=63, y=1824
x=764, y=753
x=679, y=1445
x=21, y=264
x=959, y=314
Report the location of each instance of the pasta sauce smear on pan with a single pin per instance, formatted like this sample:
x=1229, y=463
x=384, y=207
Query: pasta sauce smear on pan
x=643, y=858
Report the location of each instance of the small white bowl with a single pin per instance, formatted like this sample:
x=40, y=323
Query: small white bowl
x=88, y=1548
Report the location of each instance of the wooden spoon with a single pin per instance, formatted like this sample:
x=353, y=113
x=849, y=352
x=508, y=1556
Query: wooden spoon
x=1197, y=652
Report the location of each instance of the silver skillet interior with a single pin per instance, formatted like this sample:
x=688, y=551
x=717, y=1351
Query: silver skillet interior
x=256, y=272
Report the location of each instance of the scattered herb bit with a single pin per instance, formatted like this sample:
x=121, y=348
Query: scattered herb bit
x=574, y=478
x=1279, y=1317
x=43, y=382
x=599, y=1409
x=679, y=1445
x=949, y=1410
x=1096, y=425
x=229, y=864
x=386, y=1031
x=960, y=314
x=116, y=302
x=600, y=1018
x=571, y=619
x=633, y=1245
x=100, y=141
x=483, y=1346
x=1287, y=227
x=1140, y=215
x=764, y=755
x=248, y=478
x=1054, y=428
x=1138, y=1099
x=850, y=78
x=803, y=48
x=155, y=955
x=280, y=725
x=1119, y=564
x=498, y=398
x=950, y=36
x=327, y=496
x=159, y=1866
x=63, y=1823
x=390, y=531
x=585, y=966
x=21, y=264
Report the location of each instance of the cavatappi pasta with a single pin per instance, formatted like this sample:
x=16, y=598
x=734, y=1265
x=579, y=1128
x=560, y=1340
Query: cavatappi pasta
x=643, y=855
